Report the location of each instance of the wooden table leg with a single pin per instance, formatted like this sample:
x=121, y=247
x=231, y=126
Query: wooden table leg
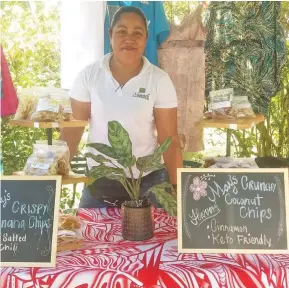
x=49, y=135
x=228, y=144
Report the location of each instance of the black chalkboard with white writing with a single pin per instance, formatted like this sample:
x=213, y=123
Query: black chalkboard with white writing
x=234, y=210
x=28, y=220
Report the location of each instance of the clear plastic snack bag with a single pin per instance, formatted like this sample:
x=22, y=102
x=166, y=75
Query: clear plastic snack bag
x=69, y=229
x=66, y=237
x=47, y=109
x=48, y=160
x=66, y=106
x=69, y=222
x=62, y=97
x=26, y=106
x=241, y=108
x=220, y=103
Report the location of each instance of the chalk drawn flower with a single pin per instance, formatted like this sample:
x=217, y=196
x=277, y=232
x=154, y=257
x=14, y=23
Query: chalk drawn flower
x=198, y=188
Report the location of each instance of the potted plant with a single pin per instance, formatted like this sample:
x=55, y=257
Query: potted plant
x=137, y=222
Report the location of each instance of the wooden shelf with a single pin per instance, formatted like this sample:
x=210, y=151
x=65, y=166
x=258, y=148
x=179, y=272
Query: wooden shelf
x=33, y=124
x=74, y=179
x=243, y=123
x=71, y=179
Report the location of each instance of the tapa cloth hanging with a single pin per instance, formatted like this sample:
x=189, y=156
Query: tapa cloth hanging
x=182, y=57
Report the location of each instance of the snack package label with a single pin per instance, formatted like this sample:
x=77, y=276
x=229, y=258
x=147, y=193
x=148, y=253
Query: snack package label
x=219, y=105
x=48, y=105
x=67, y=109
x=38, y=165
x=226, y=94
x=66, y=233
x=66, y=106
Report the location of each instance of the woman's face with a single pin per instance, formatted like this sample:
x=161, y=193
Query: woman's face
x=128, y=38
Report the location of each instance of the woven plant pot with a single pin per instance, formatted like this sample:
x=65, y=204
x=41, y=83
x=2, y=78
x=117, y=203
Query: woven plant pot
x=137, y=222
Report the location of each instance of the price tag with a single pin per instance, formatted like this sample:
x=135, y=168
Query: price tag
x=233, y=126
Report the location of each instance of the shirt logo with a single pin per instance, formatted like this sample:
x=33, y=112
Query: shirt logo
x=141, y=94
x=142, y=90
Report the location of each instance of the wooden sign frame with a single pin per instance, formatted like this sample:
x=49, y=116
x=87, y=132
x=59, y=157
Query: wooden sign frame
x=181, y=249
x=52, y=262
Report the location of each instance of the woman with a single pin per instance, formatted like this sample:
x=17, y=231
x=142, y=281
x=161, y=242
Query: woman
x=125, y=87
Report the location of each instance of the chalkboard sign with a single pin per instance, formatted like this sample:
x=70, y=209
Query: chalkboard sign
x=29, y=220
x=233, y=210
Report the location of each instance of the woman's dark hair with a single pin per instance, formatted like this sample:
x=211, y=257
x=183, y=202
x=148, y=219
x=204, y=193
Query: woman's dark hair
x=128, y=9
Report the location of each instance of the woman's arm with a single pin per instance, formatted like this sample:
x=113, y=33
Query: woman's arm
x=166, y=124
x=80, y=111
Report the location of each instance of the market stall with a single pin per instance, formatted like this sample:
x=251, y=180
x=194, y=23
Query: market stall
x=85, y=248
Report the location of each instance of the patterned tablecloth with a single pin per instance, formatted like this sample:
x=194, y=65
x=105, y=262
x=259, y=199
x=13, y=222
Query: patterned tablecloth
x=108, y=261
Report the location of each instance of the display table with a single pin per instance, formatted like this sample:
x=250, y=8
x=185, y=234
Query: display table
x=106, y=260
x=231, y=124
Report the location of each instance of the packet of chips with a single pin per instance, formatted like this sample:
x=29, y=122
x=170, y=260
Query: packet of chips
x=65, y=106
x=26, y=106
x=67, y=111
x=47, y=109
x=220, y=103
x=48, y=160
x=69, y=230
x=241, y=108
x=44, y=104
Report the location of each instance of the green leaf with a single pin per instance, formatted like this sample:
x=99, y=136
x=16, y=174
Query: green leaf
x=164, y=147
x=148, y=164
x=119, y=140
x=155, y=166
x=127, y=162
x=143, y=162
x=133, y=161
x=113, y=176
x=151, y=162
x=98, y=158
x=89, y=181
x=104, y=149
x=109, y=172
x=166, y=199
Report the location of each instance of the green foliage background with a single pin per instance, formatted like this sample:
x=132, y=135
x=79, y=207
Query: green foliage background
x=30, y=36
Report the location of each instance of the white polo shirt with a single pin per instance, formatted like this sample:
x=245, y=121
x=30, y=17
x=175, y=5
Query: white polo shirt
x=132, y=105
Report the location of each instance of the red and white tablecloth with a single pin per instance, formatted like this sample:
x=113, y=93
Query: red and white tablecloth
x=108, y=261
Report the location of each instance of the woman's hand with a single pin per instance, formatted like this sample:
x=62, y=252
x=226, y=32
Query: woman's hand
x=166, y=124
